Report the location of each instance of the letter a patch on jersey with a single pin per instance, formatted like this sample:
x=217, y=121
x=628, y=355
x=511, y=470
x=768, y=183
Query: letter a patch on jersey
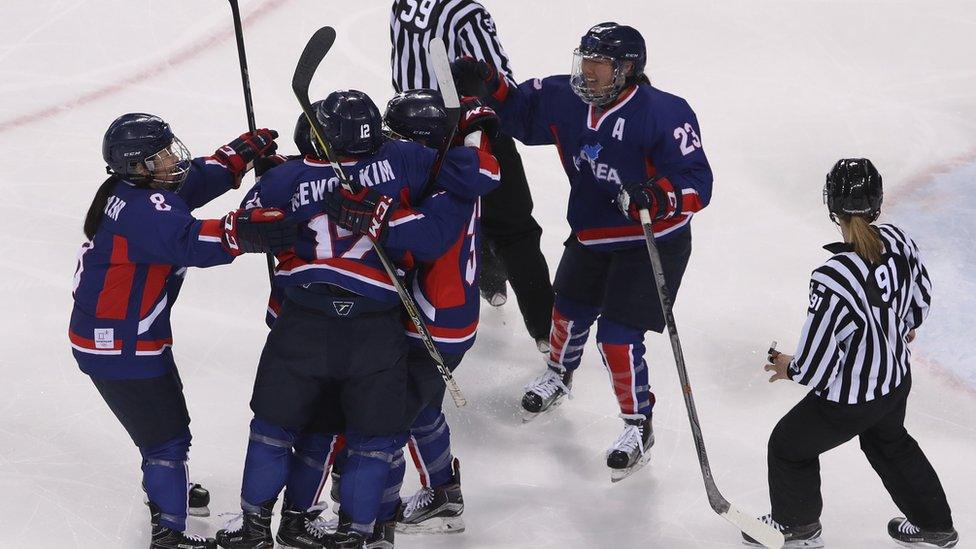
x=618, y=129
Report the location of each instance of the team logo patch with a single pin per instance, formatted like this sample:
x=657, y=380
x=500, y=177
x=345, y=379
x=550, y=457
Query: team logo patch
x=343, y=308
x=591, y=152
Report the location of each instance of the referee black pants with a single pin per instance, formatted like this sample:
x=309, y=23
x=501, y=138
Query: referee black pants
x=513, y=235
x=816, y=425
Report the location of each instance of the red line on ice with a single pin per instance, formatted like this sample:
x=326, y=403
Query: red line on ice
x=178, y=58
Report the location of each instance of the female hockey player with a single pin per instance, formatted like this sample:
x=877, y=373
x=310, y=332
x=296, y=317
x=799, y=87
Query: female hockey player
x=141, y=239
x=623, y=144
x=339, y=330
x=866, y=302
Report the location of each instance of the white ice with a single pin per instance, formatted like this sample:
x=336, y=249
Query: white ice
x=782, y=89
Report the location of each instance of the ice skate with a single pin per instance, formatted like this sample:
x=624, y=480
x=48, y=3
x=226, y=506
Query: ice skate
x=167, y=538
x=435, y=510
x=797, y=537
x=302, y=530
x=632, y=450
x=383, y=536
x=248, y=530
x=545, y=393
x=907, y=534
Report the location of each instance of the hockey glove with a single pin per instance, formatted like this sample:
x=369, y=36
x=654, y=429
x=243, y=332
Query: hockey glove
x=366, y=212
x=476, y=116
x=475, y=77
x=239, y=154
x=657, y=196
x=264, y=163
x=260, y=230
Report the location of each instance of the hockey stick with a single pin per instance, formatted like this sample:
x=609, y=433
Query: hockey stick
x=248, y=103
x=751, y=526
x=452, y=105
x=318, y=46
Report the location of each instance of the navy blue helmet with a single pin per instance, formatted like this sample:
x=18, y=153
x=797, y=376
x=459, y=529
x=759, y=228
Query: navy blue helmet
x=618, y=44
x=854, y=188
x=417, y=115
x=303, y=132
x=142, y=149
x=351, y=122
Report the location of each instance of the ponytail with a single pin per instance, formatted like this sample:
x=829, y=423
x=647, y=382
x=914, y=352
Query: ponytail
x=859, y=233
x=97, y=209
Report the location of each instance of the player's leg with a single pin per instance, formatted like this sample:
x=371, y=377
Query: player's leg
x=507, y=222
x=286, y=392
x=909, y=477
x=492, y=279
x=579, y=286
x=153, y=412
x=631, y=307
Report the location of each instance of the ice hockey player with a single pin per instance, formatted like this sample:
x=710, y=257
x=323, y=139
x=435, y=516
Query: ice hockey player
x=141, y=239
x=865, y=304
x=340, y=324
x=623, y=144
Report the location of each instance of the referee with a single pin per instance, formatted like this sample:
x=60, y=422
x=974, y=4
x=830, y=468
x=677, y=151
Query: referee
x=511, y=233
x=865, y=304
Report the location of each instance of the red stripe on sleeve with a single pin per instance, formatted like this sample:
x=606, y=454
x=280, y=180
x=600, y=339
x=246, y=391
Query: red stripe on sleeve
x=211, y=227
x=487, y=162
x=114, y=297
x=502, y=92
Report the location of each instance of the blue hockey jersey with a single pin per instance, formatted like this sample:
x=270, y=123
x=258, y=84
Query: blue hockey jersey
x=129, y=274
x=645, y=133
x=327, y=253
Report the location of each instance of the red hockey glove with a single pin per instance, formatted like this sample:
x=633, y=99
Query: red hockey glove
x=239, y=154
x=365, y=212
x=476, y=116
x=260, y=230
x=657, y=196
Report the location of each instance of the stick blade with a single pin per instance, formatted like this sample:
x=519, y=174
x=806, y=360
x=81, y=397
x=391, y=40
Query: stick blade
x=754, y=528
x=442, y=71
x=318, y=46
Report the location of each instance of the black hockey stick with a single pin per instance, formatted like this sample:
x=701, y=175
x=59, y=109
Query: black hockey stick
x=452, y=105
x=318, y=46
x=763, y=533
x=248, y=103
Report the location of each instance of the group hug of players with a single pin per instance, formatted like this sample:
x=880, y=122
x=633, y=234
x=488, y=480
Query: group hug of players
x=344, y=383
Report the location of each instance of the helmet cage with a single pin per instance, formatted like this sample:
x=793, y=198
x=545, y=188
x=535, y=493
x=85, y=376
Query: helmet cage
x=604, y=94
x=167, y=168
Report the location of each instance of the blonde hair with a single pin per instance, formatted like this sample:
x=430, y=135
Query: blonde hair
x=859, y=233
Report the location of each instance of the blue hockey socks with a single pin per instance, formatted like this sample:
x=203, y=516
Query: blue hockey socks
x=165, y=479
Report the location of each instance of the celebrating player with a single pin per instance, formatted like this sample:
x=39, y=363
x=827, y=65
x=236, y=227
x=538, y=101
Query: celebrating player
x=340, y=325
x=866, y=302
x=625, y=146
x=141, y=239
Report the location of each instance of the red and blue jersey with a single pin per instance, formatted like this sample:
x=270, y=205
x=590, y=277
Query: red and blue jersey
x=130, y=273
x=327, y=253
x=645, y=133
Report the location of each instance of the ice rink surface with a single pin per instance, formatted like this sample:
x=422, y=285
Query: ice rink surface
x=782, y=89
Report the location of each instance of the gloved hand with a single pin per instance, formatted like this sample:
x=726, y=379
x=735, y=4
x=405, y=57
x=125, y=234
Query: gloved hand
x=259, y=230
x=475, y=77
x=239, y=155
x=476, y=116
x=264, y=163
x=365, y=212
x=657, y=196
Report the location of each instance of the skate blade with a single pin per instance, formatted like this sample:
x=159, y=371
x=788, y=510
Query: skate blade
x=528, y=416
x=436, y=525
x=616, y=475
x=921, y=544
x=813, y=543
x=198, y=511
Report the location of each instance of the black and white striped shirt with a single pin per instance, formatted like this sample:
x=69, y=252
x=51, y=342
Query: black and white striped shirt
x=465, y=27
x=853, y=347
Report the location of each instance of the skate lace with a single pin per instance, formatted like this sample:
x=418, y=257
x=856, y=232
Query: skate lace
x=418, y=501
x=908, y=528
x=547, y=384
x=768, y=519
x=629, y=439
x=321, y=526
x=235, y=523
